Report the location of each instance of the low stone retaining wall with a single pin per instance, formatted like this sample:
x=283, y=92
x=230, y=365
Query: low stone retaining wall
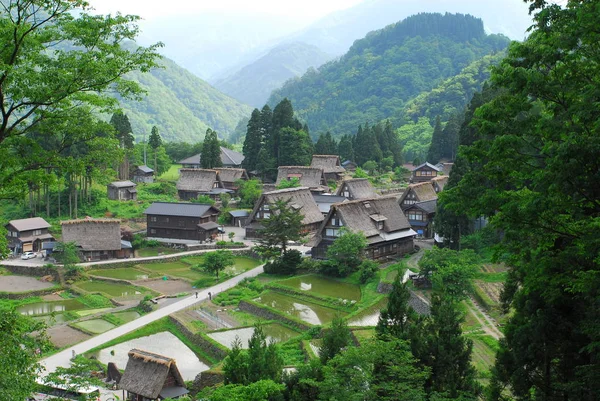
x=206, y=379
x=384, y=288
x=215, y=350
x=112, y=280
x=269, y=315
x=27, y=294
x=36, y=271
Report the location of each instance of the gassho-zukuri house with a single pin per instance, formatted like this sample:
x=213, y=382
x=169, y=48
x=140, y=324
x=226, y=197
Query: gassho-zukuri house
x=97, y=239
x=388, y=232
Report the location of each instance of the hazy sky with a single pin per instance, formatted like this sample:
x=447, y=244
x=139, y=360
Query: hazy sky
x=148, y=9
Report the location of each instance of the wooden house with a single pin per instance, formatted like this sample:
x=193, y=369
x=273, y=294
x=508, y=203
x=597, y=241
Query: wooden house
x=325, y=201
x=183, y=221
x=97, y=239
x=356, y=188
x=300, y=199
x=121, y=190
x=414, y=193
x=349, y=165
x=229, y=158
x=143, y=174
x=239, y=217
x=420, y=216
x=424, y=172
x=381, y=220
x=149, y=376
x=27, y=235
x=194, y=182
x=228, y=176
x=439, y=182
x=309, y=177
x=332, y=168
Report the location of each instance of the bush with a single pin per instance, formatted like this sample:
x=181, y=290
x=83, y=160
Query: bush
x=367, y=270
x=286, y=264
x=204, y=199
x=145, y=306
x=310, y=264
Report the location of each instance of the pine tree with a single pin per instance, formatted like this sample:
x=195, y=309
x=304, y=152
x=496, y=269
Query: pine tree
x=395, y=320
x=325, y=145
x=211, y=150
x=155, y=142
x=253, y=141
x=450, y=136
x=366, y=141
x=124, y=134
x=436, y=148
x=394, y=147
x=335, y=339
x=296, y=148
x=345, y=149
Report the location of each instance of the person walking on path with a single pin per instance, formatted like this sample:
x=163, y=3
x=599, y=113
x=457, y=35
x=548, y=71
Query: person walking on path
x=196, y=294
x=209, y=296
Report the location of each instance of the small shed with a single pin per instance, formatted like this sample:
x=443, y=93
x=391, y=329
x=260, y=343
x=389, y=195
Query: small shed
x=150, y=376
x=239, y=217
x=349, y=165
x=122, y=190
x=143, y=174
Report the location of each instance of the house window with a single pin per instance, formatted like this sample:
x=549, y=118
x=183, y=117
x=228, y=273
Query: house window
x=166, y=219
x=15, y=234
x=181, y=223
x=37, y=232
x=332, y=232
x=153, y=219
x=409, y=202
x=367, y=205
x=152, y=231
x=380, y=225
x=266, y=215
x=346, y=193
x=415, y=216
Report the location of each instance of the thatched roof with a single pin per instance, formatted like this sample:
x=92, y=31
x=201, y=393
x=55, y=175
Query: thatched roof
x=34, y=223
x=122, y=184
x=364, y=214
x=93, y=234
x=300, y=199
x=197, y=180
x=423, y=191
x=310, y=177
x=359, y=188
x=329, y=163
x=146, y=373
x=232, y=174
x=440, y=182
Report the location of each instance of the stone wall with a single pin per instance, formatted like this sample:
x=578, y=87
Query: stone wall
x=211, y=348
x=36, y=293
x=384, y=288
x=269, y=315
x=37, y=271
x=206, y=379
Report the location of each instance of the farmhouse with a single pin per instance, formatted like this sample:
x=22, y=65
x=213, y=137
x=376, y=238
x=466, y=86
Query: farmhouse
x=97, y=239
x=229, y=176
x=439, y=182
x=310, y=177
x=229, y=158
x=121, y=190
x=300, y=199
x=424, y=172
x=194, y=182
x=25, y=235
x=382, y=221
x=420, y=216
x=182, y=221
x=349, y=165
x=356, y=188
x=332, y=168
x=415, y=193
x=143, y=174
x=150, y=376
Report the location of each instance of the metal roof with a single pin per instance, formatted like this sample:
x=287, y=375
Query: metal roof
x=122, y=184
x=178, y=209
x=145, y=169
x=34, y=223
x=239, y=213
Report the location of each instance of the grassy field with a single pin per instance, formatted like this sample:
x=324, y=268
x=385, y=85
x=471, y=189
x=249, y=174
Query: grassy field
x=172, y=174
x=484, y=353
x=113, y=289
x=123, y=273
x=148, y=252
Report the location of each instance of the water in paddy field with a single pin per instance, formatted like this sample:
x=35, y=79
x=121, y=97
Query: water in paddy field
x=95, y=326
x=275, y=332
x=163, y=343
x=369, y=316
x=44, y=308
x=51, y=320
x=307, y=311
x=324, y=286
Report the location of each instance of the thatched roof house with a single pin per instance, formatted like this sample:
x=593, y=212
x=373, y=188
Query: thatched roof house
x=356, y=188
x=96, y=238
x=420, y=192
x=229, y=176
x=381, y=220
x=151, y=376
x=310, y=177
x=439, y=182
x=299, y=198
x=194, y=181
x=229, y=158
x=332, y=168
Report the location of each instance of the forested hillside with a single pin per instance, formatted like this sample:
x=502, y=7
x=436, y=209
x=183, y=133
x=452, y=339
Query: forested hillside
x=386, y=69
x=254, y=83
x=182, y=105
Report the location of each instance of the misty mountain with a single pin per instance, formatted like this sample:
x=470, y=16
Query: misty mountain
x=254, y=83
x=181, y=105
x=387, y=69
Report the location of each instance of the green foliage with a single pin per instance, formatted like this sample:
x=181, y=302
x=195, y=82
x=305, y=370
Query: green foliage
x=451, y=272
x=81, y=373
x=415, y=139
x=217, y=261
x=367, y=270
x=95, y=301
x=326, y=145
x=295, y=147
x=335, y=339
x=434, y=154
x=252, y=142
x=286, y=264
x=248, y=288
x=225, y=199
x=262, y=390
x=204, y=200
x=388, y=68
x=291, y=183
x=283, y=225
x=346, y=253
x=211, y=150
x=398, y=318
x=249, y=192
x=370, y=166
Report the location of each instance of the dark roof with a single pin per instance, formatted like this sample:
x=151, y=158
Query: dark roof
x=122, y=184
x=324, y=202
x=239, y=213
x=417, y=223
x=428, y=165
x=49, y=245
x=359, y=188
x=147, y=372
x=211, y=225
x=173, y=392
x=179, y=209
x=145, y=169
x=329, y=163
x=34, y=223
x=228, y=158
x=426, y=206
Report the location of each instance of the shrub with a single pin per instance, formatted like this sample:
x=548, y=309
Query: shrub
x=367, y=270
x=286, y=264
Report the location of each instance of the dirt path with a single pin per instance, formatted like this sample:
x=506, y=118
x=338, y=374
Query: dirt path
x=487, y=324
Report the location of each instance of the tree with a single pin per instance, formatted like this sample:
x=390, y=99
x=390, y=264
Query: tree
x=211, y=150
x=124, y=134
x=325, y=145
x=67, y=253
x=450, y=271
x=345, y=148
x=370, y=166
x=283, y=225
x=346, y=252
x=155, y=142
x=23, y=341
x=264, y=361
x=249, y=192
x=398, y=316
x=294, y=182
x=436, y=148
x=253, y=141
x=225, y=199
x=235, y=364
x=79, y=375
x=335, y=339
x=214, y=262
x=534, y=168
x=40, y=92
x=295, y=148
x=263, y=390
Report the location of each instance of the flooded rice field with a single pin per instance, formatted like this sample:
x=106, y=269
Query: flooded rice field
x=275, y=332
x=307, y=311
x=324, y=286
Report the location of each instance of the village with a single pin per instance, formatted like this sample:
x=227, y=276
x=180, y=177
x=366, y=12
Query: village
x=130, y=303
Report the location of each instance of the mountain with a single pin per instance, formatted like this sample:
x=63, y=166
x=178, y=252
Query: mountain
x=181, y=105
x=386, y=69
x=336, y=32
x=254, y=83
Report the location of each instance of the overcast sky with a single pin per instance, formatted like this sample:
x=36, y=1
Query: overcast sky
x=306, y=9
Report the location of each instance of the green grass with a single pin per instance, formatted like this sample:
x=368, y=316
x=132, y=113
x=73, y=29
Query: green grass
x=95, y=301
x=87, y=312
x=291, y=352
x=172, y=174
x=166, y=266
x=182, y=269
x=148, y=252
x=122, y=273
x=484, y=353
x=113, y=289
x=499, y=277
